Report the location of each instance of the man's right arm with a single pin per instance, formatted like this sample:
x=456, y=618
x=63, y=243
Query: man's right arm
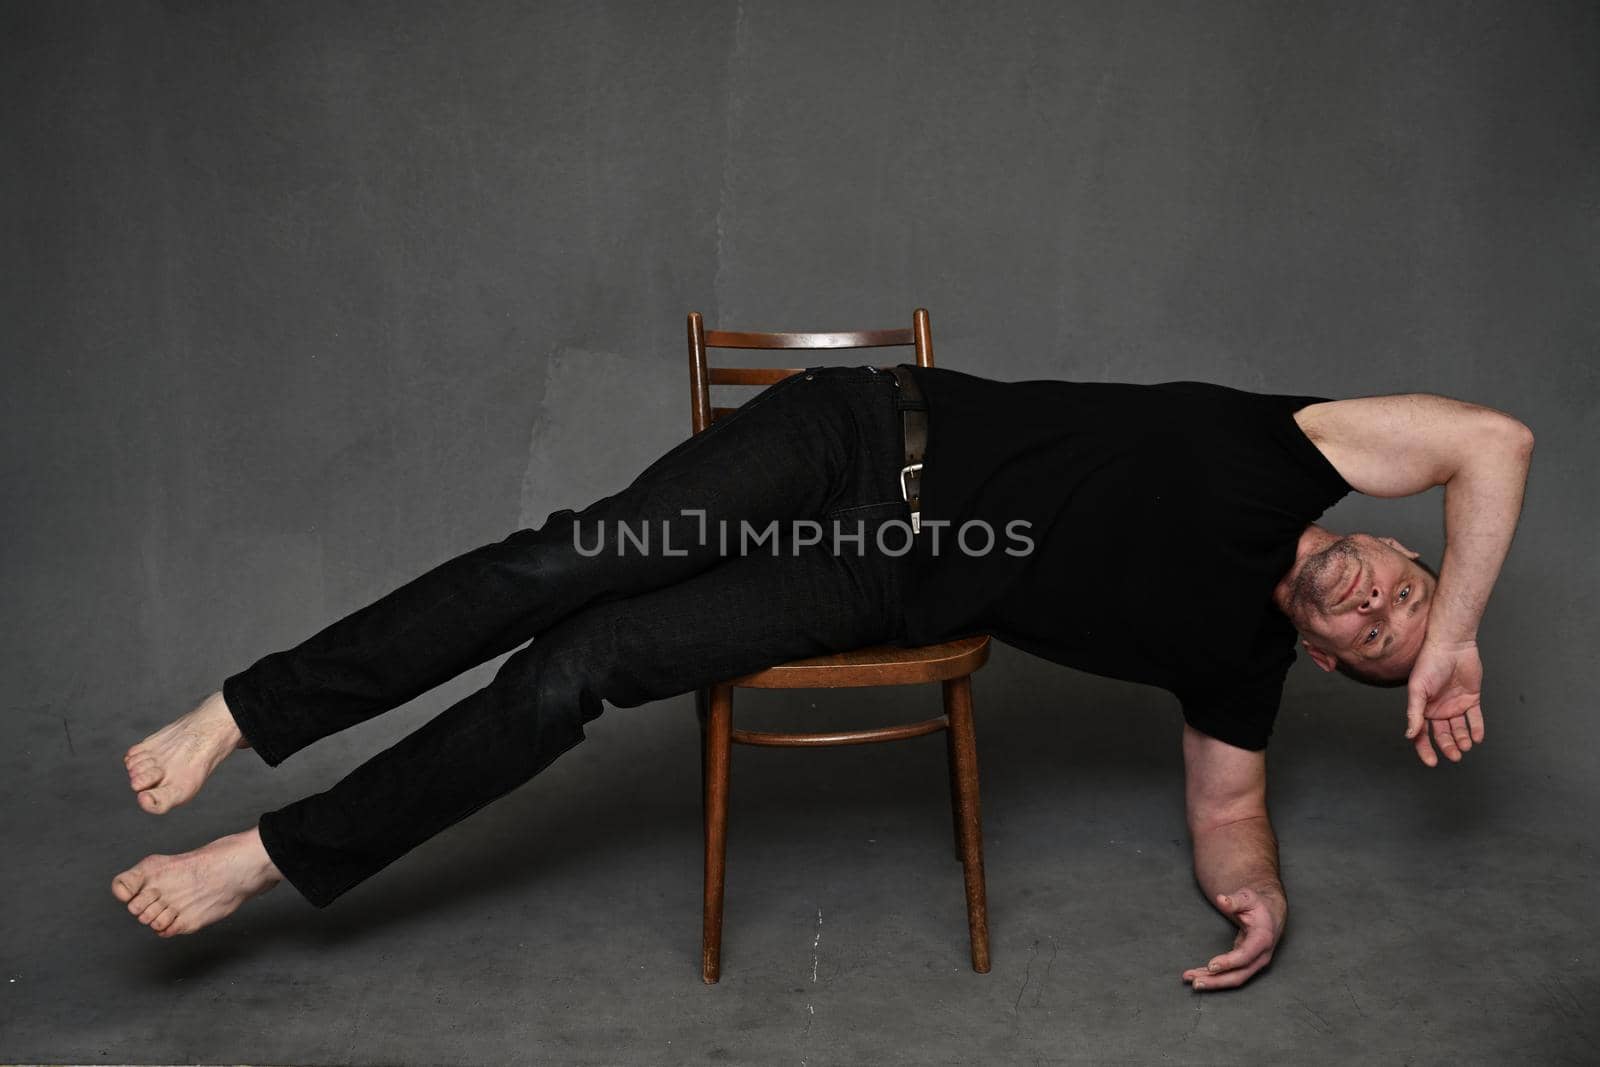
x=1390, y=446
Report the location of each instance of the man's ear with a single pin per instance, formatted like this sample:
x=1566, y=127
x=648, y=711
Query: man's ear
x=1320, y=656
x=1398, y=547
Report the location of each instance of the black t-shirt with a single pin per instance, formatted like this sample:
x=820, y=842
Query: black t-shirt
x=1159, y=520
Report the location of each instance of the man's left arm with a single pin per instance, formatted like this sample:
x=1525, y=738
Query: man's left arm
x=1235, y=855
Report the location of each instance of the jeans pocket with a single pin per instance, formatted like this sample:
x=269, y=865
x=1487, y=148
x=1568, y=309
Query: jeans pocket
x=876, y=511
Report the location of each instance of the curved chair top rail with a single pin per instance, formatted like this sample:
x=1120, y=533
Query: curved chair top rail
x=854, y=339
x=702, y=376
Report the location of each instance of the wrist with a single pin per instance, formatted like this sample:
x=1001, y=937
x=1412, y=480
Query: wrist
x=1272, y=888
x=1451, y=624
x=1452, y=642
x=1273, y=893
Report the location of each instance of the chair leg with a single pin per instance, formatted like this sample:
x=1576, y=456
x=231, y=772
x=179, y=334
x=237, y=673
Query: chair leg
x=719, y=746
x=958, y=706
x=702, y=709
x=955, y=791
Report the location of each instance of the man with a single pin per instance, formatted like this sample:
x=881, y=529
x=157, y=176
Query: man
x=1167, y=537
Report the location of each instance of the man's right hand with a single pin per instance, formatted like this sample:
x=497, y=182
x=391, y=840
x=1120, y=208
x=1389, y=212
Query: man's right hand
x=1443, y=697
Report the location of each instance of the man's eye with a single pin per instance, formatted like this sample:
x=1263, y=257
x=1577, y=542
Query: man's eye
x=1371, y=635
x=1405, y=593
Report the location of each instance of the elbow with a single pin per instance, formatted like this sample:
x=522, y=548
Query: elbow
x=1508, y=435
x=1519, y=439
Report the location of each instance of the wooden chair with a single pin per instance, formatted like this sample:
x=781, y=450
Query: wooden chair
x=950, y=663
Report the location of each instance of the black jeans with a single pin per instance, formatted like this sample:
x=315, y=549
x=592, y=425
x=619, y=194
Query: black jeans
x=641, y=619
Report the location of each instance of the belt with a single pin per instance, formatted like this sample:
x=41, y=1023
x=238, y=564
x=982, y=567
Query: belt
x=914, y=423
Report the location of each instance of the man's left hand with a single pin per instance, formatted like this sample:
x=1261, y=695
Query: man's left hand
x=1260, y=917
x=1443, y=696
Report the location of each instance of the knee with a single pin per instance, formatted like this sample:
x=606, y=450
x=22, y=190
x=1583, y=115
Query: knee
x=598, y=655
x=562, y=675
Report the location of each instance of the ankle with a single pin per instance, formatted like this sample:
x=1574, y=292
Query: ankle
x=227, y=723
x=266, y=871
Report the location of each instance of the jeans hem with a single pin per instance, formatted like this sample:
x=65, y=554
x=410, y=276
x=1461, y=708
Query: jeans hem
x=251, y=717
x=276, y=852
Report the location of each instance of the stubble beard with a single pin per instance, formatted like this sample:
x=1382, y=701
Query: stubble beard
x=1305, y=594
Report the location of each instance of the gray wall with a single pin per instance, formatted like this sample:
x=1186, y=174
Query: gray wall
x=300, y=299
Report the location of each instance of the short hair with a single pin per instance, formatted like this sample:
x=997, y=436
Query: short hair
x=1366, y=677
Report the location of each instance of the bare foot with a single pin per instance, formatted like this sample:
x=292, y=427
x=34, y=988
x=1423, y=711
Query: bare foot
x=169, y=767
x=180, y=894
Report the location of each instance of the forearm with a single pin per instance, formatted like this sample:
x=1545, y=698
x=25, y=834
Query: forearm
x=1482, y=501
x=1236, y=855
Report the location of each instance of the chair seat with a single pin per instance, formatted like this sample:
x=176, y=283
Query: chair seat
x=874, y=665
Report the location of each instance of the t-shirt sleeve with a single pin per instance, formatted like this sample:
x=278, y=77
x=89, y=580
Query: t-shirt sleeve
x=1319, y=484
x=1241, y=715
x=1242, y=710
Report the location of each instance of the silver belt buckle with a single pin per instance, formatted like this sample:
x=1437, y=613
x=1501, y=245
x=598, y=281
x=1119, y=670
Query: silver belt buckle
x=905, y=494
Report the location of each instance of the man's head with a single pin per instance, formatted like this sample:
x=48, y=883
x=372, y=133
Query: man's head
x=1361, y=604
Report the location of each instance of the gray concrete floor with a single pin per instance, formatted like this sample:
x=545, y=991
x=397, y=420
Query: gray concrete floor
x=1438, y=916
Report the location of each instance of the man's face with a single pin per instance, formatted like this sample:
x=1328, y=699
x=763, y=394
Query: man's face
x=1364, y=602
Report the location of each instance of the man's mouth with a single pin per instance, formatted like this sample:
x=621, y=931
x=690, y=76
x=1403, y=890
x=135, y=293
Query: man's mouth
x=1341, y=591
x=1355, y=580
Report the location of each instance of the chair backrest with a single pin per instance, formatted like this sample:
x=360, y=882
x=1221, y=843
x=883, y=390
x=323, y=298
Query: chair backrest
x=702, y=376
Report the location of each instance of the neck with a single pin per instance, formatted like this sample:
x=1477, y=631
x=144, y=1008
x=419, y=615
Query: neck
x=1313, y=539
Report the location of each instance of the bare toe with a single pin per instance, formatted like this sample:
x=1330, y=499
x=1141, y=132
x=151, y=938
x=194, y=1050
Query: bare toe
x=126, y=885
x=144, y=774
x=143, y=899
x=164, y=920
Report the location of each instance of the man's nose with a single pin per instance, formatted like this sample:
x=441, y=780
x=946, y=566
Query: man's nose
x=1373, y=600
